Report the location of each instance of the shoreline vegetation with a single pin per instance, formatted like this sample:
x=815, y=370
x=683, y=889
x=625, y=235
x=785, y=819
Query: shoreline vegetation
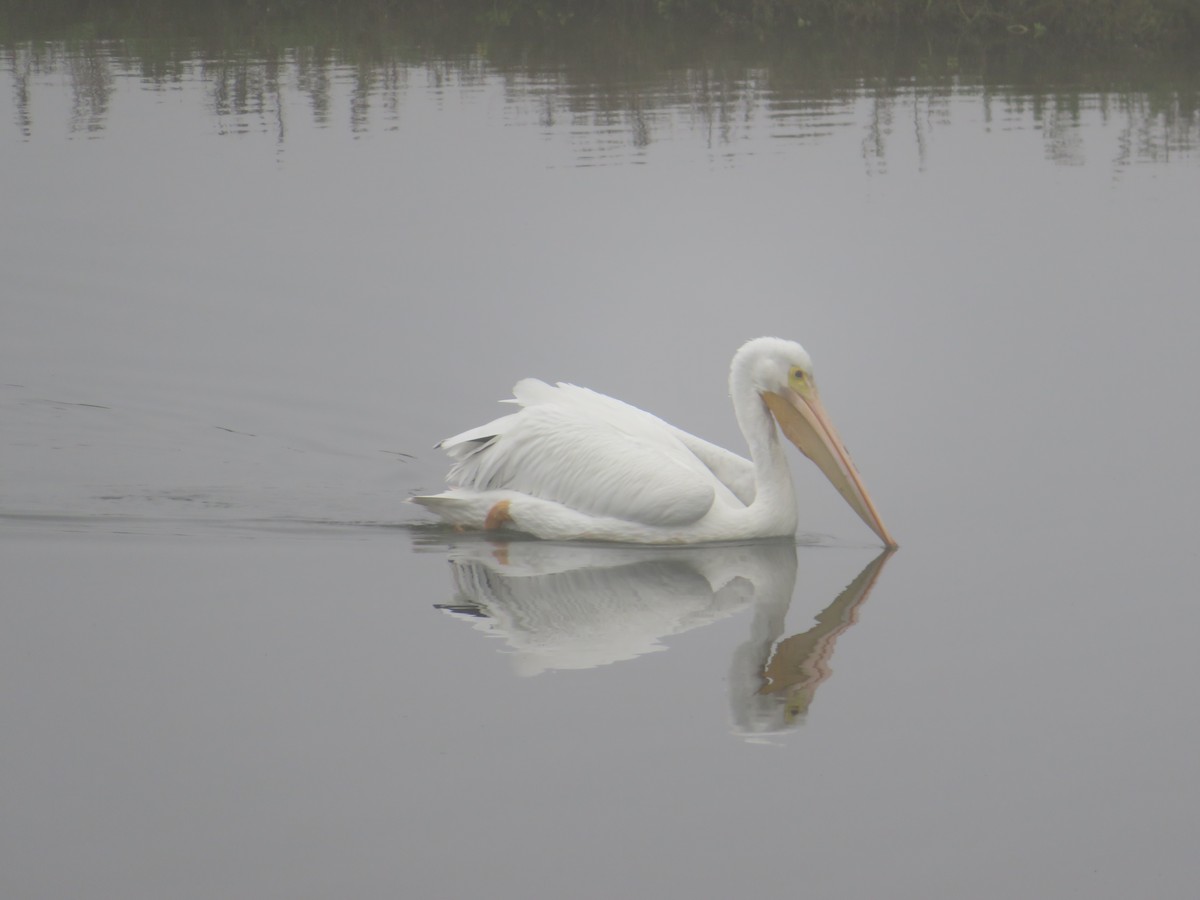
x=1143, y=25
x=633, y=64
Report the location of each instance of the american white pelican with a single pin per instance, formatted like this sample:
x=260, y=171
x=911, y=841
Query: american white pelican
x=573, y=464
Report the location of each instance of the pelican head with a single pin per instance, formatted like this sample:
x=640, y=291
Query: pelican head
x=781, y=372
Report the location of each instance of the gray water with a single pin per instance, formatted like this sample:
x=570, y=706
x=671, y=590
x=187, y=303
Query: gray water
x=242, y=299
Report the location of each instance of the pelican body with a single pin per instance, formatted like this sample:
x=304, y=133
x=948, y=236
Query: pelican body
x=573, y=464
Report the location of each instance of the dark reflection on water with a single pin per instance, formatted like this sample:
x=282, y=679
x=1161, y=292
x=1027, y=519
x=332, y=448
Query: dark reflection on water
x=561, y=606
x=614, y=96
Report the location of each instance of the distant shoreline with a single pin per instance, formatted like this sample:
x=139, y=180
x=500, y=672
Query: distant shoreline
x=1083, y=24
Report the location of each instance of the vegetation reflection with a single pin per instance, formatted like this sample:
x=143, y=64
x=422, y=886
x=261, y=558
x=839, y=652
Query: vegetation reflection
x=609, y=88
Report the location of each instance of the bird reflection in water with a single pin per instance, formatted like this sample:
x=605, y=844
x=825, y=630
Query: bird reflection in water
x=773, y=681
x=573, y=606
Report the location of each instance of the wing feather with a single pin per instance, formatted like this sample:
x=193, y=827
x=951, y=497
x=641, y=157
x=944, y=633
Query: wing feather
x=586, y=451
x=733, y=471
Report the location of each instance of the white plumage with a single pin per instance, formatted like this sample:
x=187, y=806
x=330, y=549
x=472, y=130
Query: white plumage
x=575, y=464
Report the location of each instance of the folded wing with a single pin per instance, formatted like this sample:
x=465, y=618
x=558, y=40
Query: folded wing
x=589, y=452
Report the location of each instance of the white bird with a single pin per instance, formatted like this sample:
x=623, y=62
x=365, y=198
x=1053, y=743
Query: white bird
x=573, y=464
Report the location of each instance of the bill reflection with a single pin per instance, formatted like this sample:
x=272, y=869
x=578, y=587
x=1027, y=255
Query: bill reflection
x=773, y=681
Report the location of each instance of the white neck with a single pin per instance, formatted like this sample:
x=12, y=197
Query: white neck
x=774, y=496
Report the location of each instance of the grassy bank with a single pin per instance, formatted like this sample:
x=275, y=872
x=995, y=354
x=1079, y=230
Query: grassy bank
x=1088, y=22
x=1157, y=24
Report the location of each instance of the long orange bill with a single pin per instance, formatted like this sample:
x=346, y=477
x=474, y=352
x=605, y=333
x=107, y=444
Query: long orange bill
x=804, y=420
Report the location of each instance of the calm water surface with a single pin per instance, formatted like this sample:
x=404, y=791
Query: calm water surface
x=242, y=298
